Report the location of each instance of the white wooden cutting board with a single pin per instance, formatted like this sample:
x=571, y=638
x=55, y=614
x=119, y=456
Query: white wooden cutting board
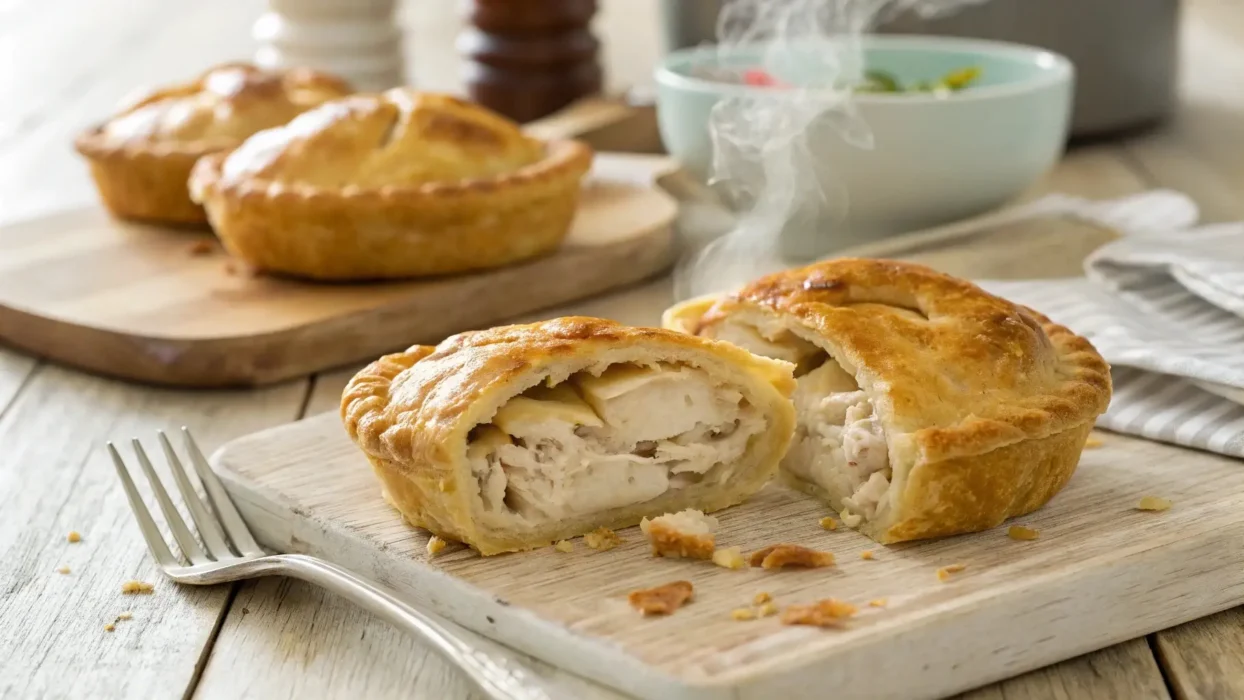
x=1100, y=573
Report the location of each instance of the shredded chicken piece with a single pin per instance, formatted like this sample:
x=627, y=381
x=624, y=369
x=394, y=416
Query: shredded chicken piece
x=688, y=533
x=943, y=574
x=1154, y=503
x=1022, y=532
x=729, y=558
x=602, y=539
x=829, y=612
x=663, y=599
x=776, y=556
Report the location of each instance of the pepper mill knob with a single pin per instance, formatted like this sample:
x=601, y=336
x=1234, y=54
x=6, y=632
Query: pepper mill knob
x=529, y=58
x=358, y=40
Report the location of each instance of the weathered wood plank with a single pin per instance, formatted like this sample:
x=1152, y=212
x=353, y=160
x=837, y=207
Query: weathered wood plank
x=55, y=477
x=1125, y=671
x=1204, y=659
x=15, y=369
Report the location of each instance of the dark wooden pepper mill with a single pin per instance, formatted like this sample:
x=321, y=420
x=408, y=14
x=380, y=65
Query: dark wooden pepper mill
x=529, y=58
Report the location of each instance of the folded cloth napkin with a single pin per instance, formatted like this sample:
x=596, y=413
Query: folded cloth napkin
x=1166, y=310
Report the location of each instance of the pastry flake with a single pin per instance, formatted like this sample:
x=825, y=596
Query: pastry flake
x=393, y=185
x=926, y=406
x=141, y=158
x=661, y=600
x=777, y=556
x=829, y=612
x=688, y=533
x=729, y=558
x=1154, y=503
x=704, y=434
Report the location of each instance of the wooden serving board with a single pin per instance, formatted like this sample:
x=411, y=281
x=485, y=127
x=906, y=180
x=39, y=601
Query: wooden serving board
x=147, y=304
x=1100, y=573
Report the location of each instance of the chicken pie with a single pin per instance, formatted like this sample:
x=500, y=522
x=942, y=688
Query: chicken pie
x=141, y=158
x=520, y=436
x=926, y=406
x=392, y=185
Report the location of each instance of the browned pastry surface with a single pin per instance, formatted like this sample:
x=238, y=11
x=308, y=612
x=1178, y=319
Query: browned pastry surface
x=985, y=404
x=399, y=184
x=141, y=158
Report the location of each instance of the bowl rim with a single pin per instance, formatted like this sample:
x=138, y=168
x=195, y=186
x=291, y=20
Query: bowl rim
x=1054, y=68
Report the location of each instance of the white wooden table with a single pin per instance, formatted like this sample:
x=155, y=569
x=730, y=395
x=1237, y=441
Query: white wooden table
x=64, y=64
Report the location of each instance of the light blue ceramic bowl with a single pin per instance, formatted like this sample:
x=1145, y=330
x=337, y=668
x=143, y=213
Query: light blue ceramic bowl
x=935, y=159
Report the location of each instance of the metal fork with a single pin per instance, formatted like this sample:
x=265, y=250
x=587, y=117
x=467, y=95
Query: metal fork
x=229, y=553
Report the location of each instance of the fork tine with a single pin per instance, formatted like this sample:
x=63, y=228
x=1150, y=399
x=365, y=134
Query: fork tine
x=189, y=546
x=209, y=527
x=228, y=514
x=151, y=533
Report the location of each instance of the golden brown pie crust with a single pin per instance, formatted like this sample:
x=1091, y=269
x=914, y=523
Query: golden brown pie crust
x=144, y=175
x=411, y=413
x=400, y=184
x=986, y=404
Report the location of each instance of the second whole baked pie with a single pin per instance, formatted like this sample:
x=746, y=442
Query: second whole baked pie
x=926, y=406
x=391, y=185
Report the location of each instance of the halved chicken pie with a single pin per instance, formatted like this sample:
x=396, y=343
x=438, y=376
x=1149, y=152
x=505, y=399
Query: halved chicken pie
x=926, y=406
x=519, y=436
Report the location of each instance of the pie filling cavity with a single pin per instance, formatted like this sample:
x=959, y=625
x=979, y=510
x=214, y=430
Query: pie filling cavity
x=839, y=443
x=606, y=440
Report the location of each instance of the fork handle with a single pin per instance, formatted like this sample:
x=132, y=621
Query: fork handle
x=499, y=678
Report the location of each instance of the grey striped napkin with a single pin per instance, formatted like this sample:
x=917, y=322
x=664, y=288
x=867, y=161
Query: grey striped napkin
x=1167, y=311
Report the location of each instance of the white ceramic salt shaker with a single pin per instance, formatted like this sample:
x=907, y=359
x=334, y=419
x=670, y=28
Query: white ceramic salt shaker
x=358, y=40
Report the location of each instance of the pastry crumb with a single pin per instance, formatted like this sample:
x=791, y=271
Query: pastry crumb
x=1093, y=442
x=435, y=545
x=829, y=612
x=1154, y=503
x=109, y=627
x=1022, y=532
x=74, y=536
x=867, y=554
x=729, y=558
x=663, y=599
x=564, y=546
x=877, y=603
x=761, y=597
x=687, y=533
x=743, y=614
x=828, y=523
x=769, y=608
x=201, y=247
x=602, y=539
x=62, y=570
x=132, y=587
x=776, y=556
x=943, y=574
x=125, y=615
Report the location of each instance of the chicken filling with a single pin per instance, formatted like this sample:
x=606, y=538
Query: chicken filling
x=839, y=442
x=599, y=442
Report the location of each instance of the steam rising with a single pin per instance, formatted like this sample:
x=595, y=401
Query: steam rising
x=762, y=163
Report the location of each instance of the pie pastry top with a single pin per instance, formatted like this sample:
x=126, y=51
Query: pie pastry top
x=398, y=184
x=142, y=156
x=927, y=406
x=520, y=436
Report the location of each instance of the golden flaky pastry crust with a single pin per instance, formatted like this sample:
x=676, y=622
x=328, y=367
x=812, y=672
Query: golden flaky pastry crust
x=399, y=184
x=141, y=158
x=985, y=405
x=411, y=413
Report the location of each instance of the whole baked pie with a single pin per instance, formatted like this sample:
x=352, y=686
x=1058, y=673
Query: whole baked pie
x=926, y=406
x=519, y=436
x=391, y=185
x=141, y=158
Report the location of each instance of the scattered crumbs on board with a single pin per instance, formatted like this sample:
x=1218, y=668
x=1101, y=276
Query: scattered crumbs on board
x=1022, y=532
x=1154, y=503
x=828, y=523
x=767, y=609
x=125, y=615
x=829, y=612
x=761, y=597
x=132, y=587
x=109, y=627
x=63, y=570
x=944, y=573
x=742, y=614
x=777, y=556
x=663, y=599
x=565, y=546
x=877, y=603
x=729, y=558
x=201, y=247
x=74, y=536
x=1093, y=442
x=867, y=555
x=435, y=545
x=602, y=539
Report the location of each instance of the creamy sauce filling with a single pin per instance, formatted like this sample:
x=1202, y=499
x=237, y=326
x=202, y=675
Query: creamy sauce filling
x=596, y=443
